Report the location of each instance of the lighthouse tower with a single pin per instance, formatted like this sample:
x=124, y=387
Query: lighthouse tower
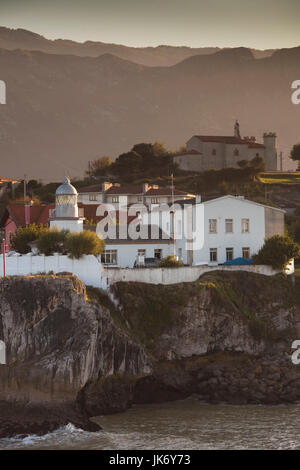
x=65, y=216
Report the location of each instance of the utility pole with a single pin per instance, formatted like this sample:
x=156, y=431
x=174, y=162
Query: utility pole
x=173, y=214
x=281, y=161
x=2, y=241
x=24, y=188
x=3, y=251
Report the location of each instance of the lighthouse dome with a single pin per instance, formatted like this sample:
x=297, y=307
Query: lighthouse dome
x=66, y=188
x=66, y=200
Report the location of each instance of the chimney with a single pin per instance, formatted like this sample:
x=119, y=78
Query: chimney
x=106, y=185
x=146, y=187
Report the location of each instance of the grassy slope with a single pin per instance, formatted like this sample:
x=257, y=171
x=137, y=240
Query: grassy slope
x=280, y=177
x=149, y=310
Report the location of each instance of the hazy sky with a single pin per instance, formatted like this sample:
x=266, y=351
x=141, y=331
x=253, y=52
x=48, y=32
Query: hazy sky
x=257, y=23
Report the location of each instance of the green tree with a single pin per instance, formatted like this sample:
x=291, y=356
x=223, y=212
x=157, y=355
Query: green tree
x=295, y=154
x=277, y=251
x=294, y=231
x=99, y=166
x=170, y=262
x=52, y=241
x=25, y=235
x=83, y=243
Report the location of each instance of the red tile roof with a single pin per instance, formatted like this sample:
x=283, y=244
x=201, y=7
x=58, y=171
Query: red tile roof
x=91, y=209
x=95, y=188
x=39, y=214
x=221, y=139
x=228, y=140
x=165, y=192
x=125, y=189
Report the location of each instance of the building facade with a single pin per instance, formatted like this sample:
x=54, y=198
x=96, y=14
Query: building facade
x=217, y=152
x=210, y=232
x=125, y=195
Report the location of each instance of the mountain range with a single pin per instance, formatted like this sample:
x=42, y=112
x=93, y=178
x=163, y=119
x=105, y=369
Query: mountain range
x=65, y=108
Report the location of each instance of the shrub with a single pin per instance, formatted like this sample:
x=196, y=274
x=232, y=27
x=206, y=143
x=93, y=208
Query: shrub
x=170, y=262
x=83, y=243
x=277, y=251
x=24, y=235
x=52, y=241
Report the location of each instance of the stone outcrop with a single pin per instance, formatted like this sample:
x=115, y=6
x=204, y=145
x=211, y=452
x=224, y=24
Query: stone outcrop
x=57, y=341
x=73, y=354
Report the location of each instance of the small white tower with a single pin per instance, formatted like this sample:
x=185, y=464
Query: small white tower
x=270, y=143
x=65, y=216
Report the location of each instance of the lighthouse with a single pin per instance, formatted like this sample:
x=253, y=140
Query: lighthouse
x=65, y=216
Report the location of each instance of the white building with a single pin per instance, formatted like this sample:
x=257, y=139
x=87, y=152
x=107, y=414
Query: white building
x=209, y=232
x=109, y=193
x=236, y=228
x=204, y=152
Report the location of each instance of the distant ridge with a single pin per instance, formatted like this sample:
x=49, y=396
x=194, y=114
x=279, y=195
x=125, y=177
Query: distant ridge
x=163, y=55
x=63, y=109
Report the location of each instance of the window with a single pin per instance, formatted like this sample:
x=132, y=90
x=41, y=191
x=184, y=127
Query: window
x=141, y=252
x=246, y=252
x=229, y=254
x=229, y=225
x=213, y=255
x=236, y=152
x=140, y=199
x=115, y=199
x=92, y=197
x=158, y=253
x=109, y=257
x=180, y=253
x=245, y=225
x=214, y=152
x=62, y=199
x=154, y=200
x=212, y=225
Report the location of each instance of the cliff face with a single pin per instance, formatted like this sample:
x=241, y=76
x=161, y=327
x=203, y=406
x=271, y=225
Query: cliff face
x=237, y=312
x=225, y=338
x=72, y=354
x=57, y=341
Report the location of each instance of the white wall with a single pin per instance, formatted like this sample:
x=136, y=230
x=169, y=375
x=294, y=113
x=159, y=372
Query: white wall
x=84, y=198
x=127, y=253
x=196, y=224
x=88, y=269
x=236, y=209
x=176, y=275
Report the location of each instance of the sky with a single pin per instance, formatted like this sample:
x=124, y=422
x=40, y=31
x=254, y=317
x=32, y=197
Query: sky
x=260, y=24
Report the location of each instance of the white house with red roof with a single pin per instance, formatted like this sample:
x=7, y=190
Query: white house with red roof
x=205, y=152
x=125, y=194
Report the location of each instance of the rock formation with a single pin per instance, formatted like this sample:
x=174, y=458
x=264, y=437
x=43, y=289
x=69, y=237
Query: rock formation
x=72, y=354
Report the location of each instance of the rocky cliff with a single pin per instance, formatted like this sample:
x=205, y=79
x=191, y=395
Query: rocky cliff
x=72, y=354
x=57, y=340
